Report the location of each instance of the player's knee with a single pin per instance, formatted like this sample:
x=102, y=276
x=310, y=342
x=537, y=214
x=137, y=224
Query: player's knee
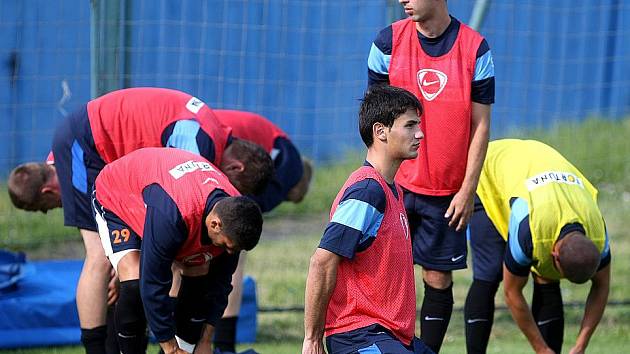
x=437, y=279
x=547, y=301
x=480, y=299
x=130, y=319
x=189, y=319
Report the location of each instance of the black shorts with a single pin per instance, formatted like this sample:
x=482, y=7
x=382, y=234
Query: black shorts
x=436, y=246
x=77, y=164
x=486, y=245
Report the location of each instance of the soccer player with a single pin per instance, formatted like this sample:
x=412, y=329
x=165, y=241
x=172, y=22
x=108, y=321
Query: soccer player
x=360, y=290
x=102, y=131
x=156, y=206
x=292, y=173
x=535, y=213
x=290, y=182
x=449, y=67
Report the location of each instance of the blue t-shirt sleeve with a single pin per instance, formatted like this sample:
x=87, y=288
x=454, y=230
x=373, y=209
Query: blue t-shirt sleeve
x=356, y=220
x=288, y=171
x=483, y=81
x=380, y=57
x=606, y=256
x=187, y=135
x=519, y=250
x=164, y=233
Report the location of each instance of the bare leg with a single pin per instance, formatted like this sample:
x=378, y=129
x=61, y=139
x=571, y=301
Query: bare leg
x=92, y=286
x=236, y=295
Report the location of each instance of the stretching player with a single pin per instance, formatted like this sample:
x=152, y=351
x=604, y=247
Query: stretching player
x=535, y=213
x=104, y=130
x=156, y=206
x=290, y=182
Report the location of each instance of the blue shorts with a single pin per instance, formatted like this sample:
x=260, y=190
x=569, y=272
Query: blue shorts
x=436, y=246
x=374, y=339
x=77, y=164
x=486, y=245
x=116, y=236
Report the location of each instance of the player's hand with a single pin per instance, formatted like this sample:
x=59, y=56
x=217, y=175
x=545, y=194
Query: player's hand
x=112, y=288
x=313, y=347
x=460, y=210
x=171, y=347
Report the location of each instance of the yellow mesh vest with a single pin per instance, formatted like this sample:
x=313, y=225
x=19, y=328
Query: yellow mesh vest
x=555, y=191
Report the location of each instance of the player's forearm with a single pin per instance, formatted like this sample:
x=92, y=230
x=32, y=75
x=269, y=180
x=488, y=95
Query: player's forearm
x=204, y=345
x=320, y=284
x=479, y=136
x=594, y=309
x=524, y=319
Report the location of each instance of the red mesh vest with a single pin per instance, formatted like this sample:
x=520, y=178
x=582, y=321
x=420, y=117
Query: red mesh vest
x=251, y=127
x=377, y=286
x=126, y=120
x=443, y=85
x=186, y=177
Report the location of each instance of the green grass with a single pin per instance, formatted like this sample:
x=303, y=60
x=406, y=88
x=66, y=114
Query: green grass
x=279, y=264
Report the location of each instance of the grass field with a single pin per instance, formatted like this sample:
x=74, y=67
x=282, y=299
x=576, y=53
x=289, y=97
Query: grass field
x=279, y=264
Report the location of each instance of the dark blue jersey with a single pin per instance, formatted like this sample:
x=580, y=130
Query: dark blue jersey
x=520, y=247
x=188, y=135
x=287, y=173
x=357, y=219
x=164, y=234
x=482, y=84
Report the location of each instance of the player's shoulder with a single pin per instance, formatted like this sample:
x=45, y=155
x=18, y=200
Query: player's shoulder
x=383, y=40
x=367, y=190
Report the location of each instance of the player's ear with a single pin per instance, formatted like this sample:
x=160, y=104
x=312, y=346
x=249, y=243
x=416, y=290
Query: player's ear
x=234, y=165
x=378, y=130
x=214, y=223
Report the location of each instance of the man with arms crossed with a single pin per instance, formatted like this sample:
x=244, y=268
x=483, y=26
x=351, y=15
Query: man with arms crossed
x=360, y=291
x=535, y=213
x=449, y=67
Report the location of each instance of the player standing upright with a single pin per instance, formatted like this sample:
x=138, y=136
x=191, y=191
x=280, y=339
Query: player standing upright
x=360, y=291
x=449, y=67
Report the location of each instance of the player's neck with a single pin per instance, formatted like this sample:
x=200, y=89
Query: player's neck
x=383, y=164
x=435, y=26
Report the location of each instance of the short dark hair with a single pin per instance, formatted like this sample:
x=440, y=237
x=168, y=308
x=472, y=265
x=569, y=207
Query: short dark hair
x=241, y=220
x=26, y=182
x=578, y=257
x=383, y=104
x=258, y=166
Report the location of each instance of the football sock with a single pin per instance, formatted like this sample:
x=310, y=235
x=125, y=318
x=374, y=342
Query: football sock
x=130, y=321
x=189, y=320
x=435, y=315
x=111, y=344
x=548, y=313
x=225, y=334
x=93, y=339
x=479, y=315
